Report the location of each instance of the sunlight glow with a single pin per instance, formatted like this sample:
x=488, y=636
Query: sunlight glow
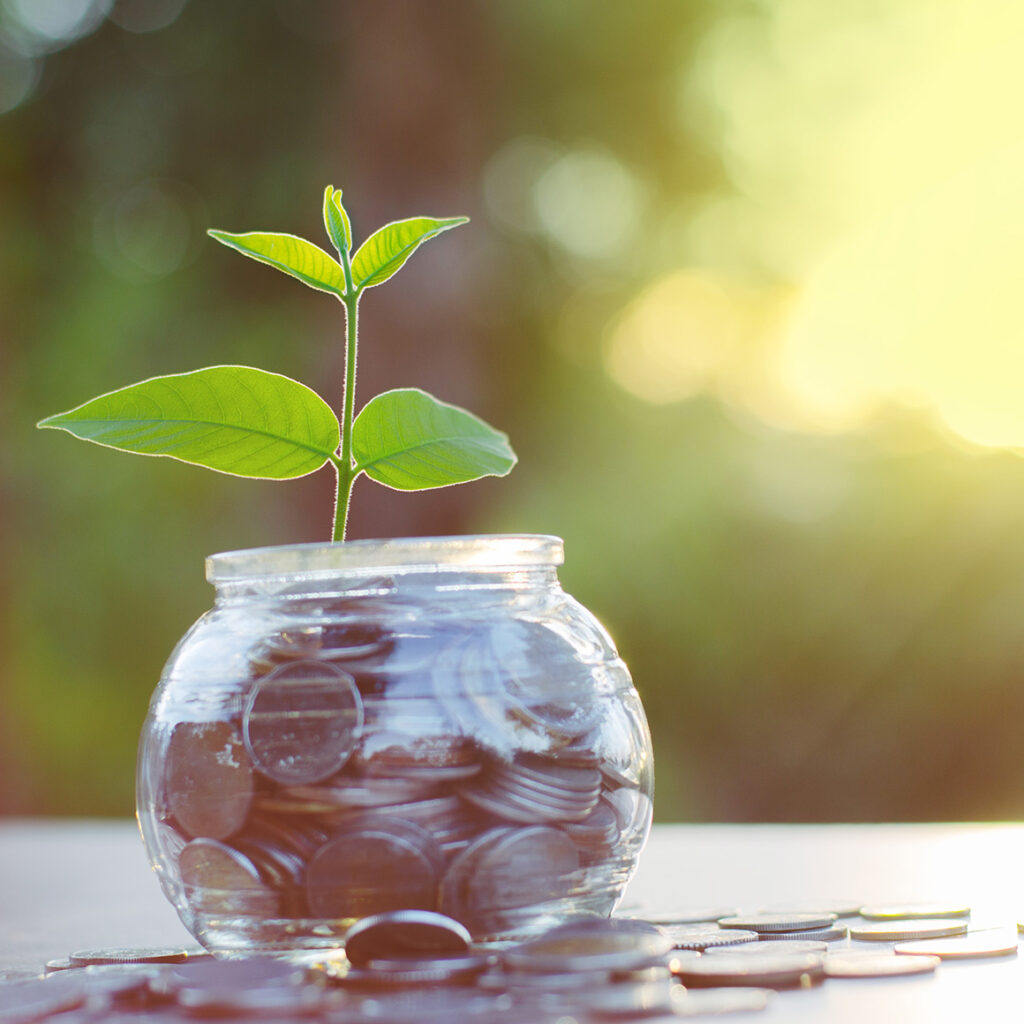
x=877, y=155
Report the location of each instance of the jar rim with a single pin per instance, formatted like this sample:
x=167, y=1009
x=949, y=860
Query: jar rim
x=403, y=554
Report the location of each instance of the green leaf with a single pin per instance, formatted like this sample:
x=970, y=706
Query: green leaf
x=235, y=419
x=384, y=252
x=409, y=440
x=339, y=228
x=294, y=255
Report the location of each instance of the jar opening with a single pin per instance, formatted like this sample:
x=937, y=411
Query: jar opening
x=399, y=554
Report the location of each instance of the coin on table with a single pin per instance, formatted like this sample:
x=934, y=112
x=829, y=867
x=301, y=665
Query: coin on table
x=777, y=922
x=302, y=722
x=702, y=940
x=128, y=955
x=795, y=971
x=781, y=947
x=913, y=911
x=369, y=870
x=404, y=933
x=597, y=945
x=687, y=915
x=208, y=778
x=896, y=931
x=836, y=933
x=877, y=965
x=974, y=945
x=838, y=907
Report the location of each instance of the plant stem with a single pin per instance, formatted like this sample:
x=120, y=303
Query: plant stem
x=346, y=470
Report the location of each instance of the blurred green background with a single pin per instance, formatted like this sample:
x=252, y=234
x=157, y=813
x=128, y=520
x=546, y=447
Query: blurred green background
x=741, y=283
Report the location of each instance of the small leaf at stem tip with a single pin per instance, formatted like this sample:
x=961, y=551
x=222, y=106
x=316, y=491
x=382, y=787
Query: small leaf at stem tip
x=339, y=227
x=409, y=440
x=234, y=419
x=291, y=254
x=384, y=252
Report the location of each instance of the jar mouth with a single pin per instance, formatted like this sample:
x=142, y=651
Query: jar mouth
x=398, y=554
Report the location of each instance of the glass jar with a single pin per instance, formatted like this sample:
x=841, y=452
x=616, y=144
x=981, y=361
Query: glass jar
x=377, y=725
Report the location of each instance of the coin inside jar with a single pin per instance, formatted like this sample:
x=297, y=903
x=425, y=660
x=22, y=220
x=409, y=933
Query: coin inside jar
x=220, y=879
x=302, y=722
x=368, y=870
x=209, y=779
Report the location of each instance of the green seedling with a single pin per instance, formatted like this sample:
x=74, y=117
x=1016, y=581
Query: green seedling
x=248, y=422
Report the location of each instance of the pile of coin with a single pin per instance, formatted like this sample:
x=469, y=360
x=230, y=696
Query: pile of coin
x=488, y=771
x=421, y=966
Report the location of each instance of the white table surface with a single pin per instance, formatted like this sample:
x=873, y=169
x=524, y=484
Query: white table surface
x=67, y=885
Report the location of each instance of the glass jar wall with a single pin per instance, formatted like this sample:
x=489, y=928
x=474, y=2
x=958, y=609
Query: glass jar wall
x=380, y=725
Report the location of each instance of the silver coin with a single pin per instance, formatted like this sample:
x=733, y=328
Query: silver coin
x=302, y=722
x=547, y=774
x=599, y=945
x=219, y=879
x=777, y=922
x=895, y=931
x=208, y=778
x=818, y=907
x=507, y=869
x=780, y=947
x=128, y=955
x=404, y=933
x=913, y=911
x=795, y=971
x=702, y=940
x=834, y=934
x=343, y=792
x=975, y=945
x=877, y=965
x=709, y=1002
x=687, y=915
x=368, y=871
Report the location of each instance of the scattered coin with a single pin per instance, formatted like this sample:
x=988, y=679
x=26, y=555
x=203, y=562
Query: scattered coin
x=701, y=940
x=404, y=933
x=777, y=922
x=600, y=945
x=913, y=911
x=990, y=942
x=157, y=955
x=834, y=934
x=896, y=931
x=794, y=971
x=877, y=965
x=840, y=907
x=780, y=947
x=687, y=915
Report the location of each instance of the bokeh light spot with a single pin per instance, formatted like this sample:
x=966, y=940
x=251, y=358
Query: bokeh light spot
x=589, y=203
x=674, y=339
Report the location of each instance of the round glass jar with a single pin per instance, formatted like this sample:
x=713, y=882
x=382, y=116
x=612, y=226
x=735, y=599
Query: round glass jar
x=377, y=725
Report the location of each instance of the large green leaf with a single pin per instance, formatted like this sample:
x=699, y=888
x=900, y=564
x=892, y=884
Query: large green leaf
x=409, y=440
x=294, y=255
x=235, y=419
x=384, y=252
x=339, y=227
